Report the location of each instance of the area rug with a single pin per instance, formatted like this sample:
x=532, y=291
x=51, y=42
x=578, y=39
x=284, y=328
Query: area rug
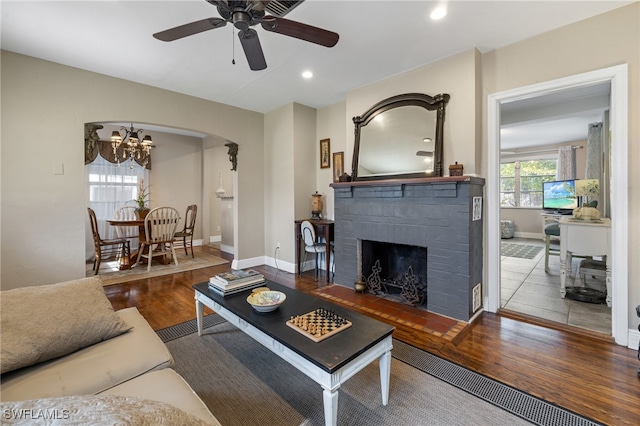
x=522, y=251
x=244, y=383
x=110, y=274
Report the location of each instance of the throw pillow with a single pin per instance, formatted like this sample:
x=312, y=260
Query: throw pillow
x=95, y=410
x=45, y=322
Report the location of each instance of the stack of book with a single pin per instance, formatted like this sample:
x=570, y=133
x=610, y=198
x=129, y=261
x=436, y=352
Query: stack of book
x=235, y=281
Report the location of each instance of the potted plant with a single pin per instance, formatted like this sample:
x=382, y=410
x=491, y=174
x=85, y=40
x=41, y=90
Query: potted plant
x=141, y=200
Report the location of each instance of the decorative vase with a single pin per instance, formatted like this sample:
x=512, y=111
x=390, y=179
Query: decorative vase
x=360, y=286
x=141, y=214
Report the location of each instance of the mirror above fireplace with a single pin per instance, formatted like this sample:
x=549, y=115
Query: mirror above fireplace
x=400, y=137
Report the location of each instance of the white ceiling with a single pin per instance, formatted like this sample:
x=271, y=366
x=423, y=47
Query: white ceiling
x=378, y=39
x=554, y=118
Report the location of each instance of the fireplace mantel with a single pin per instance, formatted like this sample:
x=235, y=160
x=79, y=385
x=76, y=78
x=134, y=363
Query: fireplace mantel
x=411, y=181
x=436, y=213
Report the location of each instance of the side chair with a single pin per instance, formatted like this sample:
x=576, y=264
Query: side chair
x=159, y=230
x=311, y=244
x=126, y=213
x=185, y=237
x=118, y=248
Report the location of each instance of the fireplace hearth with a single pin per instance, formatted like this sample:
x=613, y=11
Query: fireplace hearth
x=422, y=232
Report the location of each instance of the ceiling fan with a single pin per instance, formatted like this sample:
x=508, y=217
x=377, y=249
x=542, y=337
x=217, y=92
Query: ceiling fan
x=244, y=14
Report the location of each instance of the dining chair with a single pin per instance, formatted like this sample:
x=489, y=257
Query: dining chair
x=118, y=248
x=184, y=238
x=550, y=230
x=126, y=213
x=159, y=230
x=311, y=244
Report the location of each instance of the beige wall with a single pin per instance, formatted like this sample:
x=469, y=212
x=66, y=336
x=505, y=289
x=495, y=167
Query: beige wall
x=456, y=76
x=603, y=41
x=279, y=199
x=216, y=164
x=331, y=125
x=44, y=108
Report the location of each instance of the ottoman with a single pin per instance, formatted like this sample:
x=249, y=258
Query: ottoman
x=506, y=229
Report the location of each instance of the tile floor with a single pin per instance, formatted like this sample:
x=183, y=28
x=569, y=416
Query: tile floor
x=528, y=289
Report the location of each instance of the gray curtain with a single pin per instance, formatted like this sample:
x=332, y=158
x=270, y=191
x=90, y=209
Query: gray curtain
x=594, y=152
x=566, y=163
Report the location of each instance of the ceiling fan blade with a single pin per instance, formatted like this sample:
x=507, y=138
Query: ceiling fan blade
x=190, y=29
x=301, y=31
x=252, y=49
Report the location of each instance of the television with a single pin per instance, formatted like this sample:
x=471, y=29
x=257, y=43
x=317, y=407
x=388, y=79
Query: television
x=559, y=196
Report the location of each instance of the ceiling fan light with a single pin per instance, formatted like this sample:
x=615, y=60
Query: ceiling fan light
x=307, y=74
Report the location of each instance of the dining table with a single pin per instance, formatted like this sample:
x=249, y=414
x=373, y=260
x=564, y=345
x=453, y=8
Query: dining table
x=134, y=255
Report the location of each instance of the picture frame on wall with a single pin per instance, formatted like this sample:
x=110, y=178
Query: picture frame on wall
x=325, y=154
x=338, y=165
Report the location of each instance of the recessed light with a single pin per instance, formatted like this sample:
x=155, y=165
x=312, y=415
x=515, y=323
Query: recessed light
x=438, y=13
x=307, y=74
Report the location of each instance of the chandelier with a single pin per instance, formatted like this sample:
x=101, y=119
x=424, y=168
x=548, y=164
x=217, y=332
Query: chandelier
x=131, y=146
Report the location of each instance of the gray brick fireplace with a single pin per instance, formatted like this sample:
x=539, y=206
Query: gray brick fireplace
x=436, y=214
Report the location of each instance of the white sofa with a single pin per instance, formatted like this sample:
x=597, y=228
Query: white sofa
x=135, y=364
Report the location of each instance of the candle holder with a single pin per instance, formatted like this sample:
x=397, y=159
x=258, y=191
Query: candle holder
x=316, y=206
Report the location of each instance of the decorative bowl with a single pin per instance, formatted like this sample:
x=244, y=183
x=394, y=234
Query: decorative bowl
x=266, y=301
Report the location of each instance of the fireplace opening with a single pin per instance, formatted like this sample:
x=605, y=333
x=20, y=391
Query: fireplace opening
x=395, y=271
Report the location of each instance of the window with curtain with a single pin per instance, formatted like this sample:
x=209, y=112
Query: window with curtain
x=109, y=187
x=521, y=182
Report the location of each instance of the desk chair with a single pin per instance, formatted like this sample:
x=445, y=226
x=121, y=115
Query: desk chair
x=185, y=237
x=311, y=244
x=159, y=230
x=105, y=249
x=550, y=230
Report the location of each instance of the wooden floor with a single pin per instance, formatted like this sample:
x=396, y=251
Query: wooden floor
x=584, y=373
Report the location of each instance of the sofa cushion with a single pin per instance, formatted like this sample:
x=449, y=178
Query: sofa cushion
x=96, y=410
x=92, y=369
x=45, y=322
x=165, y=386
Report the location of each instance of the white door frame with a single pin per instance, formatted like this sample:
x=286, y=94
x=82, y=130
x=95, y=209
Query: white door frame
x=619, y=114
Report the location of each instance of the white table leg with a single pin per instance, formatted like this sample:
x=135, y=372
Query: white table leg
x=563, y=273
x=199, y=312
x=330, y=398
x=385, y=376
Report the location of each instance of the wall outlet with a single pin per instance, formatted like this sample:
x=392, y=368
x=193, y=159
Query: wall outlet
x=477, y=297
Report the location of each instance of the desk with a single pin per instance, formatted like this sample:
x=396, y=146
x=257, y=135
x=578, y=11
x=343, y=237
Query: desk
x=588, y=238
x=323, y=228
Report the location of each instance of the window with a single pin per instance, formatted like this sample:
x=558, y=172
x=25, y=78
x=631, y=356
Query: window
x=111, y=186
x=521, y=182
